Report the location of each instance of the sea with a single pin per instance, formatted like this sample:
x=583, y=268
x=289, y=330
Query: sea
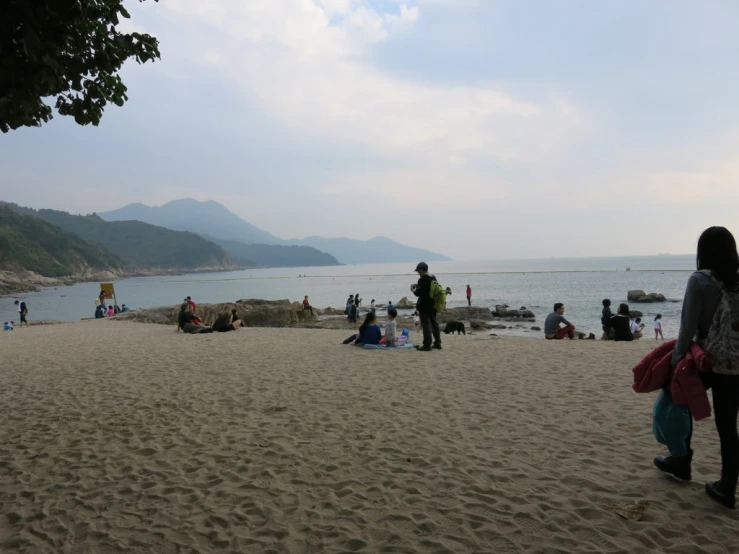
x=580, y=283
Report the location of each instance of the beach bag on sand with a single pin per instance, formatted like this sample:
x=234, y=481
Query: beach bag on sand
x=722, y=342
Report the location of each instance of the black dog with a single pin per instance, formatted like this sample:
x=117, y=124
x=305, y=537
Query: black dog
x=454, y=326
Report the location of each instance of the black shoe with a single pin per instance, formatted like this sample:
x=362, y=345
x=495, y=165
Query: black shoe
x=436, y=347
x=423, y=348
x=678, y=467
x=714, y=491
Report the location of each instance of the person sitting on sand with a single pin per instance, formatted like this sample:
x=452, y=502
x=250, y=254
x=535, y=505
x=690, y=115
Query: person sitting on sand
x=636, y=328
x=369, y=331
x=195, y=319
x=125, y=308
x=307, y=306
x=227, y=322
x=552, y=329
x=391, y=328
x=7, y=326
x=111, y=311
x=621, y=325
x=186, y=321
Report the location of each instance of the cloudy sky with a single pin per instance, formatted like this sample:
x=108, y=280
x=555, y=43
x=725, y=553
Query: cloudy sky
x=483, y=129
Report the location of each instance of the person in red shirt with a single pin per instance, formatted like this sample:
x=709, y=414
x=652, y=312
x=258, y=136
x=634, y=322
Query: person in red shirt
x=469, y=295
x=307, y=306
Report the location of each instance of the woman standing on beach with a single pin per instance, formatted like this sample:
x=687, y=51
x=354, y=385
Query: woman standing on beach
x=716, y=283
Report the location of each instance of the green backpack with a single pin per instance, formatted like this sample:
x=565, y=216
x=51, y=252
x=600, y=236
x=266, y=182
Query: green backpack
x=438, y=296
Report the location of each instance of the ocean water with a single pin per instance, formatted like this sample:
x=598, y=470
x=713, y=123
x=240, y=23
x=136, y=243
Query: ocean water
x=580, y=284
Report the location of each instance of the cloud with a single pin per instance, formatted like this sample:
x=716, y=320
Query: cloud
x=306, y=64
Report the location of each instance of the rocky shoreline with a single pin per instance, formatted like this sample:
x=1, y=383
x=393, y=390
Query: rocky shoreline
x=16, y=281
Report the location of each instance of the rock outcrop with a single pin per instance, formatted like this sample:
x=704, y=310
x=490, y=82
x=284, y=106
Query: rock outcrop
x=331, y=311
x=464, y=313
x=478, y=325
x=503, y=312
x=254, y=313
x=405, y=304
x=642, y=297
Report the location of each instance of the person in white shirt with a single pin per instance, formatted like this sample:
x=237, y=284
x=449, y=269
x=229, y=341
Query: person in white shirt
x=417, y=321
x=391, y=328
x=636, y=328
x=372, y=306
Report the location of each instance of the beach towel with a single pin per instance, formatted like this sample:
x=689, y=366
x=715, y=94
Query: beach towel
x=401, y=346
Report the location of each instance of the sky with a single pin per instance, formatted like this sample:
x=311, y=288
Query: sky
x=481, y=129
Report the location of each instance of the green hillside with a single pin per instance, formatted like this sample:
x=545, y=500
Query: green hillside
x=139, y=245
x=273, y=255
x=34, y=244
x=142, y=245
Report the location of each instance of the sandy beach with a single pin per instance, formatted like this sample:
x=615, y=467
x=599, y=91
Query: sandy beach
x=126, y=437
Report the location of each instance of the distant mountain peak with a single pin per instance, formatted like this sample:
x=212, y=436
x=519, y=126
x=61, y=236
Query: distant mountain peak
x=214, y=219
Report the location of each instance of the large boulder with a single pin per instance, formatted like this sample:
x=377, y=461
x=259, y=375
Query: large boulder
x=254, y=313
x=478, y=324
x=635, y=313
x=331, y=311
x=634, y=295
x=260, y=302
x=503, y=312
x=643, y=298
x=464, y=313
x=405, y=304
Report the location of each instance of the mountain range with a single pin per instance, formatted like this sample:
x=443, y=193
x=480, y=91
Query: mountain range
x=132, y=245
x=216, y=222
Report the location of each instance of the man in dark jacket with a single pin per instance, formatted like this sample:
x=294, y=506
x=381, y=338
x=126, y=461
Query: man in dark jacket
x=425, y=307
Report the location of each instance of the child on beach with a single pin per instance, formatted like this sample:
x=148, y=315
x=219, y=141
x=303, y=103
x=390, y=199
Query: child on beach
x=391, y=328
x=605, y=319
x=7, y=326
x=658, y=328
x=417, y=321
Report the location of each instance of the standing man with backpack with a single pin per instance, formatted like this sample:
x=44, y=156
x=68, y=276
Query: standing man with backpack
x=431, y=297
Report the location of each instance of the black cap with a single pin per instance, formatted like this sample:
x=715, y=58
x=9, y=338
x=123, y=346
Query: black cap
x=422, y=266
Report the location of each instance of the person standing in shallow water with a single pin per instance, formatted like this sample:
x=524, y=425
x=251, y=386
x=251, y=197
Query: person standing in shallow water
x=469, y=295
x=716, y=280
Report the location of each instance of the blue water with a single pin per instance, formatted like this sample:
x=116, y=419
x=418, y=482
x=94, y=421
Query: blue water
x=579, y=283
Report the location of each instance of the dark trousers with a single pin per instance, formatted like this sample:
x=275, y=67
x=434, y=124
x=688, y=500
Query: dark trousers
x=430, y=328
x=469, y=301
x=726, y=409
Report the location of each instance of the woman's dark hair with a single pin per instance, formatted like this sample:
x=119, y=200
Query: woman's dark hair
x=717, y=252
x=392, y=312
x=368, y=320
x=659, y=316
x=606, y=303
x=623, y=309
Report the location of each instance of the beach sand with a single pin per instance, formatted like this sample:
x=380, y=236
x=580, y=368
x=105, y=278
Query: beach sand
x=125, y=437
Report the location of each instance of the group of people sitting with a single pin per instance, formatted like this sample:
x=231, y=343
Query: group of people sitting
x=189, y=322
x=618, y=327
x=622, y=327
x=371, y=333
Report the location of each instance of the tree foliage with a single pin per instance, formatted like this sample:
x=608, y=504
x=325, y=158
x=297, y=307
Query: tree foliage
x=70, y=50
